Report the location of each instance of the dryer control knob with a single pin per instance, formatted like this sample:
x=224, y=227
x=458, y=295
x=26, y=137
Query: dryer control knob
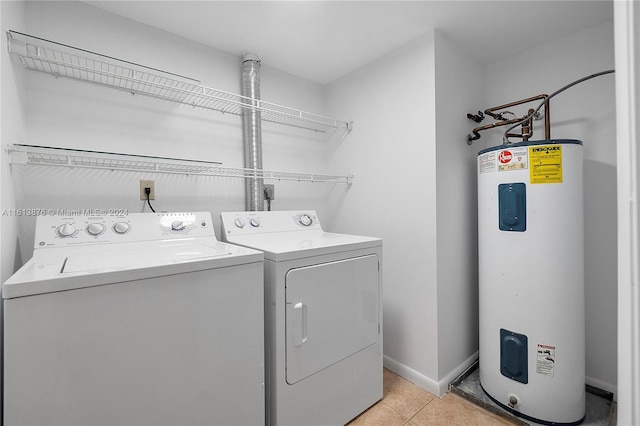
x=239, y=222
x=66, y=230
x=255, y=222
x=121, y=228
x=305, y=220
x=177, y=225
x=95, y=229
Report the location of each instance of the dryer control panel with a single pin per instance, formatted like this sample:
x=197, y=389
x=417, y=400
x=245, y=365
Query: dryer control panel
x=57, y=231
x=252, y=223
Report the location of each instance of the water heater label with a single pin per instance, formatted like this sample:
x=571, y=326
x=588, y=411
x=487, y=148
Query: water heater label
x=512, y=159
x=546, y=164
x=546, y=360
x=487, y=162
x=502, y=161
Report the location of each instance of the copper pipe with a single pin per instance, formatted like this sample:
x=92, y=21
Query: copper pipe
x=547, y=121
x=489, y=111
x=505, y=138
x=492, y=126
x=547, y=117
x=527, y=127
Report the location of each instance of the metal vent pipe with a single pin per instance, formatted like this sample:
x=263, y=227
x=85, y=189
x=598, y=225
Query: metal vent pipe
x=252, y=131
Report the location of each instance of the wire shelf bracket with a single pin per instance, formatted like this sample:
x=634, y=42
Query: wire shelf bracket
x=20, y=154
x=61, y=60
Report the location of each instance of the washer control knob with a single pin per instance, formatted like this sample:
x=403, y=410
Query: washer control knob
x=305, y=220
x=255, y=222
x=177, y=225
x=66, y=230
x=121, y=228
x=239, y=222
x=95, y=229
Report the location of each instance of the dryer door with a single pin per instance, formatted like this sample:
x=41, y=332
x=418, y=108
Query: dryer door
x=331, y=313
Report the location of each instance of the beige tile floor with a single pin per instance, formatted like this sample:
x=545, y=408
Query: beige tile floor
x=404, y=403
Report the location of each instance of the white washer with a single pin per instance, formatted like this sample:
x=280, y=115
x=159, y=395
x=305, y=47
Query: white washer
x=323, y=316
x=144, y=319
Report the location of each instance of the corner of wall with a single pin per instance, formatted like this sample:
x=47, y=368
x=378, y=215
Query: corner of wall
x=438, y=388
x=458, y=91
x=413, y=376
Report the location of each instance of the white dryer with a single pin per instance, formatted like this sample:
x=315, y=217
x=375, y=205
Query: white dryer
x=323, y=316
x=144, y=319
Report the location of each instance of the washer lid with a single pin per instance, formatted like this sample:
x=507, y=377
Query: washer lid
x=281, y=246
x=66, y=268
x=132, y=257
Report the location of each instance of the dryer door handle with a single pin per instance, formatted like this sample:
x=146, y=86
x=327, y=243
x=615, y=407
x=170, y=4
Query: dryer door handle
x=299, y=324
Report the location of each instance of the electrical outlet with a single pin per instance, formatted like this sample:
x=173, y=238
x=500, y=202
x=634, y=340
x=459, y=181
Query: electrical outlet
x=147, y=184
x=272, y=188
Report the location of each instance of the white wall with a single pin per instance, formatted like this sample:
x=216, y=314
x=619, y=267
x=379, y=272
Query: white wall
x=12, y=127
x=391, y=152
x=458, y=91
x=415, y=187
x=585, y=112
x=71, y=114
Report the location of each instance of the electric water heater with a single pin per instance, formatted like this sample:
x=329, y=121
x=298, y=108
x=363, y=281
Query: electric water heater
x=531, y=260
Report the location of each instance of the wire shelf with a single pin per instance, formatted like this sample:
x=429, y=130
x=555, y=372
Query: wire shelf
x=65, y=157
x=66, y=61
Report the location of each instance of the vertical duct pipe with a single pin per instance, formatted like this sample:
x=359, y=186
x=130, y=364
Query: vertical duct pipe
x=252, y=132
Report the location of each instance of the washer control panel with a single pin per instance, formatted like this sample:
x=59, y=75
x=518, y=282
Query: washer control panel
x=251, y=223
x=55, y=231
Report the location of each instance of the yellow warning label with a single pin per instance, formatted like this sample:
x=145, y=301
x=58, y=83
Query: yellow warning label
x=545, y=164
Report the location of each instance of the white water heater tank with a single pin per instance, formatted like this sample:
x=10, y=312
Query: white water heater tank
x=531, y=260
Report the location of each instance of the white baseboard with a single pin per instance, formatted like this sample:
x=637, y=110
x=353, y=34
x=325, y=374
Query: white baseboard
x=438, y=388
x=412, y=375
